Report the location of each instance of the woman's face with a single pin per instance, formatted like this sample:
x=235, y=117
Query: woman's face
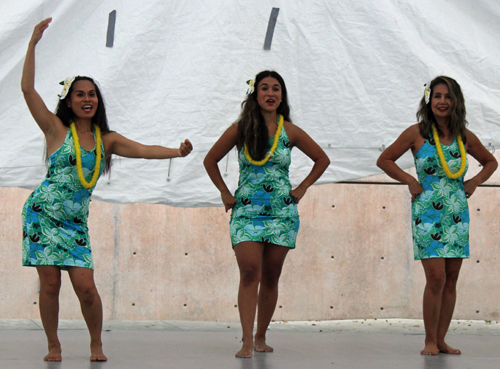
x=269, y=94
x=441, y=102
x=83, y=99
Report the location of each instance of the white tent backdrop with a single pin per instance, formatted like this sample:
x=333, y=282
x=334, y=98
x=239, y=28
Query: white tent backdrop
x=354, y=71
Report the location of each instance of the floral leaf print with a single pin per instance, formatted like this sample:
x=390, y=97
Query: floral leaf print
x=254, y=230
x=424, y=228
x=71, y=207
x=442, y=188
x=453, y=204
x=463, y=228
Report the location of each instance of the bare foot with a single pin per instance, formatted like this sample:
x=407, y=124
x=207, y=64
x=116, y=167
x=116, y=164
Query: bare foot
x=445, y=349
x=96, y=353
x=430, y=349
x=261, y=346
x=246, y=350
x=54, y=354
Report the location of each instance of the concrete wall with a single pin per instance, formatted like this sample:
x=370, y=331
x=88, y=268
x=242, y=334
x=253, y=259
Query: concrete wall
x=353, y=259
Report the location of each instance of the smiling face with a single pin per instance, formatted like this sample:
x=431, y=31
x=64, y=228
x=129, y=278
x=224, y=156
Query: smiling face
x=269, y=94
x=83, y=99
x=441, y=102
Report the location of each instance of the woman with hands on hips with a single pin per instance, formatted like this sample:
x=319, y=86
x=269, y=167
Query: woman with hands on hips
x=264, y=218
x=440, y=216
x=55, y=233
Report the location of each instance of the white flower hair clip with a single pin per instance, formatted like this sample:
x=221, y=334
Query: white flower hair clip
x=66, y=86
x=251, y=87
x=427, y=92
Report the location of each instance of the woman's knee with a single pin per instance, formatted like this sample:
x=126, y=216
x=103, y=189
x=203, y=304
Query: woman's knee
x=436, y=281
x=50, y=285
x=249, y=274
x=87, y=294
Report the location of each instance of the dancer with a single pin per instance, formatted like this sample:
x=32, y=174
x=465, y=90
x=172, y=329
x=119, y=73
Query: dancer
x=55, y=233
x=264, y=218
x=440, y=216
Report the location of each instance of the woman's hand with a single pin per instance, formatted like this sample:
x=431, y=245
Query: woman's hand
x=38, y=31
x=228, y=200
x=298, y=193
x=415, y=189
x=185, y=148
x=469, y=187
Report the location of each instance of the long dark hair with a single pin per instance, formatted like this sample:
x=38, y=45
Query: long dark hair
x=457, y=121
x=252, y=129
x=66, y=114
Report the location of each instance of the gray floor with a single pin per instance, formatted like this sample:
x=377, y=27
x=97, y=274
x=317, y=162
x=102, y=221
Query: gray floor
x=374, y=344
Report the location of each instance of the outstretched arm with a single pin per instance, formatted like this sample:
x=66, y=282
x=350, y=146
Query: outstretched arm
x=309, y=147
x=45, y=119
x=484, y=157
x=387, y=160
x=223, y=145
x=115, y=143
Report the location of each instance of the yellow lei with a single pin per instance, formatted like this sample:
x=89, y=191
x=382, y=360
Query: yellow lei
x=273, y=148
x=442, y=159
x=97, y=166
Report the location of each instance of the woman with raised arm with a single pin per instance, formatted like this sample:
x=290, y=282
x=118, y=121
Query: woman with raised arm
x=264, y=218
x=440, y=216
x=55, y=232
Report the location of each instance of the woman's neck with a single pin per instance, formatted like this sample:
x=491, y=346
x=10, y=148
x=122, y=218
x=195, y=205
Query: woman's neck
x=83, y=125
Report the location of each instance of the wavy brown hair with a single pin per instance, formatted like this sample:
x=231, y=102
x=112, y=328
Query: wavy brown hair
x=457, y=121
x=252, y=129
x=67, y=115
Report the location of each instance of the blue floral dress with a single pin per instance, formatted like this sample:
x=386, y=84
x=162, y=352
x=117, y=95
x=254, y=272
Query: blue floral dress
x=55, y=215
x=265, y=211
x=440, y=215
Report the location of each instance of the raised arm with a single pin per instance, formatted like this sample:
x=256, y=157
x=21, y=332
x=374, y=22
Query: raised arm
x=45, y=119
x=223, y=145
x=115, y=143
x=387, y=160
x=484, y=157
x=308, y=146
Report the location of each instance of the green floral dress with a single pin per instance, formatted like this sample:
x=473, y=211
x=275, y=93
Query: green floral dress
x=265, y=211
x=440, y=215
x=55, y=215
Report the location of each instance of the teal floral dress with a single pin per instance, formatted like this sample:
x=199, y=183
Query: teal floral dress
x=440, y=215
x=265, y=211
x=55, y=215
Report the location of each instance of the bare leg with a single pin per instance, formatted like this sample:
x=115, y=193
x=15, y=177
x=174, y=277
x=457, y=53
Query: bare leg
x=50, y=284
x=436, y=277
x=272, y=264
x=249, y=258
x=90, y=302
x=448, y=304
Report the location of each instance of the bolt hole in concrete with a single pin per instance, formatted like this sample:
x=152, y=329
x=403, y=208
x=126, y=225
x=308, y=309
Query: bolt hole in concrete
x=333, y=206
x=333, y=257
x=281, y=306
x=478, y=209
x=477, y=261
x=381, y=308
x=133, y=304
x=135, y=253
x=382, y=258
x=235, y=306
x=383, y=207
x=186, y=253
x=185, y=305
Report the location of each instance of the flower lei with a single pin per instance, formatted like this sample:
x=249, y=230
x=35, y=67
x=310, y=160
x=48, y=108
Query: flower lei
x=97, y=166
x=442, y=159
x=273, y=148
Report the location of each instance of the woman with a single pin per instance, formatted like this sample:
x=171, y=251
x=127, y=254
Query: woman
x=440, y=216
x=264, y=220
x=55, y=233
